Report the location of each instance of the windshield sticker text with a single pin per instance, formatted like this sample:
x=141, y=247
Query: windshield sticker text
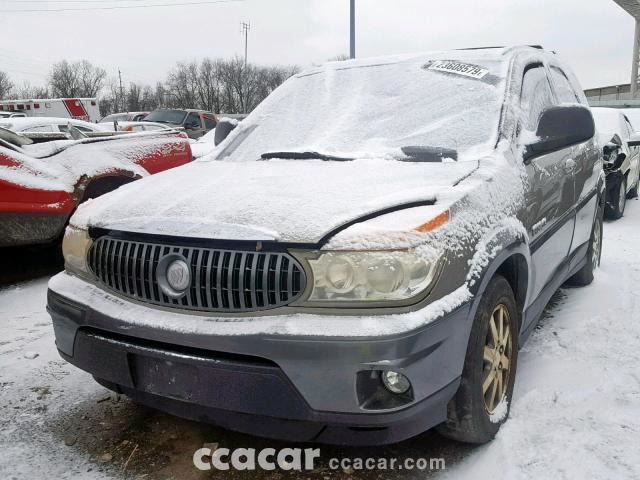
x=465, y=69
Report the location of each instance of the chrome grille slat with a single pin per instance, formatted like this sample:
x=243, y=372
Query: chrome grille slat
x=222, y=280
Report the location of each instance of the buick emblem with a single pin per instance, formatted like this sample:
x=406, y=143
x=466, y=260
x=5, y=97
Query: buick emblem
x=178, y=275
x=174, y=276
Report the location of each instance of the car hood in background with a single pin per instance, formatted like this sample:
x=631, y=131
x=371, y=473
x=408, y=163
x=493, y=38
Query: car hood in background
x=282, y=200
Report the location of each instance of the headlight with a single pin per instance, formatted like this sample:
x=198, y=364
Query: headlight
x=75, y=248
x=366, y=277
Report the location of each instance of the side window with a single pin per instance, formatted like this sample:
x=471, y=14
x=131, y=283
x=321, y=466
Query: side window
x=563, y=88
x=194, y=119
x=209, y=122
x=536, y=97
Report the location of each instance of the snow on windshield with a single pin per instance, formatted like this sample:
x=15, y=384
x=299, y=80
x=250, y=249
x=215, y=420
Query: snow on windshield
x=374, y=110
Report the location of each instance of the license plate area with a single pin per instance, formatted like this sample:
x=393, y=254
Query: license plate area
x=167, y=378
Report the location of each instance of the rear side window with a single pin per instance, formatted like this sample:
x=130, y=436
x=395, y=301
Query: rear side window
x=209, y=123
x=564, y=90
x=193, y=119
x=536, y=97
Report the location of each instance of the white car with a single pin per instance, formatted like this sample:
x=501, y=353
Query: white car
x=48, y=125
x=633, y=115
x=124, y=117
x=622, y=158
x=12, y=115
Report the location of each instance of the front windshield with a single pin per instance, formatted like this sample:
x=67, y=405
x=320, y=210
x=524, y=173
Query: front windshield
x=175, y=117
x=347, y=111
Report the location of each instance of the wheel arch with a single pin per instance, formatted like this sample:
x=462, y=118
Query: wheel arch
x=93, y=187
x=513, y=262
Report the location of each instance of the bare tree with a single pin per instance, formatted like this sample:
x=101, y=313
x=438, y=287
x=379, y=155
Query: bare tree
x=90, y=78
x=79, y=79
x=26, y=90
x=134, y=97
x=5, y=85
x=216, y=85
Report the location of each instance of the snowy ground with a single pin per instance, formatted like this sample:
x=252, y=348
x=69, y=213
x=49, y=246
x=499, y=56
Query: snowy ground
x=576, y=412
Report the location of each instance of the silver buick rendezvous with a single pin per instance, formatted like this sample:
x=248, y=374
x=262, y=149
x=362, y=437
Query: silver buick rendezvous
x=357, y=262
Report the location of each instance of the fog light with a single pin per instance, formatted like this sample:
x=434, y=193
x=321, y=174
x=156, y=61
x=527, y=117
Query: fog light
x=395, y=382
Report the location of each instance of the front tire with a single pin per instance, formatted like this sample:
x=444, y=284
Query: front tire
x=481, y=404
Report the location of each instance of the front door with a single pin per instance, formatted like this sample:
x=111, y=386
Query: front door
x=550, y=201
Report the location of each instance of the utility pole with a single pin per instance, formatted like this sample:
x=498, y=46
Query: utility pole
x=353, y=29
x=245, y=29
x=121, y=91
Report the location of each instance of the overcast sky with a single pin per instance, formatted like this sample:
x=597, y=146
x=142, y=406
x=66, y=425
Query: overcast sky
x=594, y=36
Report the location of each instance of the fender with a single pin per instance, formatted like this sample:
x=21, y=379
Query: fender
x=500, y=246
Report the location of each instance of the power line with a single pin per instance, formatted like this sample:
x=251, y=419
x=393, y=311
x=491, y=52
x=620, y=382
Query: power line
x=96, y=2
x=118, y=7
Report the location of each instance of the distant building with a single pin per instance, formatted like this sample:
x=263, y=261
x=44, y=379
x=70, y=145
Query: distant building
x=616, y=96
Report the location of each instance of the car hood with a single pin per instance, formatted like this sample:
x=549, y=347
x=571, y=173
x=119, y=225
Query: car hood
x=286, y=201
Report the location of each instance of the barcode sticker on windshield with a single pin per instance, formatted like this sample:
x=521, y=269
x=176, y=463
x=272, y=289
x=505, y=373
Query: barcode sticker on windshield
x=459, y=68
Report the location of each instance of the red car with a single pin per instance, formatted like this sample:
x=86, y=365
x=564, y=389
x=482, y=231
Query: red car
x=41, y=185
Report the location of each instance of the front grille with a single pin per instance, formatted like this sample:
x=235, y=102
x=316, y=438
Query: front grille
x=221, y=280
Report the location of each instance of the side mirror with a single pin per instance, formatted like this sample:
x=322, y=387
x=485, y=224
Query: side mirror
x=561, y=127
x=223, y=129
x=191, y=126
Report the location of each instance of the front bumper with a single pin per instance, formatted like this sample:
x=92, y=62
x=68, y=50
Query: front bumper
x=26, y=228
x=300, y=387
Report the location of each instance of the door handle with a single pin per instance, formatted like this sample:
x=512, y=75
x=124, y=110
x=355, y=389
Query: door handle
x=570, y=165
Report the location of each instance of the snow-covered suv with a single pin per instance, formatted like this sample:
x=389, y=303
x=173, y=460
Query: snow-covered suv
x=357, y=262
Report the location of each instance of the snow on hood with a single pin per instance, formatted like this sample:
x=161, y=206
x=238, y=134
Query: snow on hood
x=59, y=165
x=292, y=201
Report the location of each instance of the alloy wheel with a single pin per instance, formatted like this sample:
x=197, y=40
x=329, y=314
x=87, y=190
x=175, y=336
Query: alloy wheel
x=497, y=354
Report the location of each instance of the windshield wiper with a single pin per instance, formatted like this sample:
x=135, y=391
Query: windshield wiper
x=428, y=154
x=303, y=156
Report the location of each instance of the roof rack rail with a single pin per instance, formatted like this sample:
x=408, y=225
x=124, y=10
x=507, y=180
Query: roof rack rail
x=539, y=47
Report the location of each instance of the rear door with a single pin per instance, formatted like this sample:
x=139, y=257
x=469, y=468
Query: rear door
x=550, y=194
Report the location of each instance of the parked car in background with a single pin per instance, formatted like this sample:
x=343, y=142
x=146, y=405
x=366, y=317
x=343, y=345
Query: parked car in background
x=622, y=158
x=4, y=115
x=357, y=262
x=42, y=185
x=196, y=123
x=633, y=115
x=87, y=109
x=49, y=124
x=124, y=117
x=140, y=126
